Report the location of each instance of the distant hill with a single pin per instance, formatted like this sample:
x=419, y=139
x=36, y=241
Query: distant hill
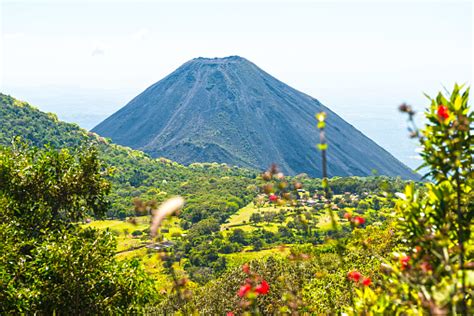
x=229, y=110
x=137, y=175
x=18, y=118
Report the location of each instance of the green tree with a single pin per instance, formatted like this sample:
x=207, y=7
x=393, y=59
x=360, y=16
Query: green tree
x=48, y=263
x=238, y=236
x=256, y=218
x=257, y=244
x=376, y=203
x=50, y=189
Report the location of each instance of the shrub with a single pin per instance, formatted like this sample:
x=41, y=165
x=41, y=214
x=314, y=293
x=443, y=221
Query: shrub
x=137, y=233
x=430, y=271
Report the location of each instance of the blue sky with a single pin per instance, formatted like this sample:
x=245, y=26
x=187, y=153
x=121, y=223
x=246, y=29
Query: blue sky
x=86, y=59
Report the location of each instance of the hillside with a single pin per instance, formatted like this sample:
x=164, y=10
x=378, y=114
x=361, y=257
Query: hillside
x=136, y=174
x=229, y=110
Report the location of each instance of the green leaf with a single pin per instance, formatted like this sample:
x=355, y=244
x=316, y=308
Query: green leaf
x=426, y=95
x=457, y=103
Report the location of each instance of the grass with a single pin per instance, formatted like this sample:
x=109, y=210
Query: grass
x=142, y=222
x=325, y=222
x=123, y=230
x=243, y=215
x=241, y=219
x=238, y=259
x=127, y=242
x=152, y=264
x=273, y=227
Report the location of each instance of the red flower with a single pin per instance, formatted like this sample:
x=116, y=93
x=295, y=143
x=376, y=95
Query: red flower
x=230, y=314
x=359, y=220
x=443, y=112
x=262, y=288
x=354, y=276
x=347, y=216
x=367, y=282
x=244, y=289
x=273, y=198
x=425, y=267
x=246, y=268
x=404, y=262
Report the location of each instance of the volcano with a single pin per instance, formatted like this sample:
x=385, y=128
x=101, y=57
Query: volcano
x=228, y=110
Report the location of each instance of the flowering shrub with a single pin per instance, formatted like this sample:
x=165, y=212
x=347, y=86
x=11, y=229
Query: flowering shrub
x=432, y=272
x=358, y=220
x=253, y=287
x=354, y=276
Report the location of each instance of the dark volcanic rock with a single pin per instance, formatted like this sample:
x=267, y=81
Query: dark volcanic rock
x=229, y=110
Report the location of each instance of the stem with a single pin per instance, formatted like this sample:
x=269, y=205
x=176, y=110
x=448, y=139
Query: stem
x=340, y=249
x=461, y=245
x=322, y=140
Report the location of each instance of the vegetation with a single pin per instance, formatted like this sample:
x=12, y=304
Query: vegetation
x=209, y=188
x=47, y=263
x=433, y=268
x=75, y=229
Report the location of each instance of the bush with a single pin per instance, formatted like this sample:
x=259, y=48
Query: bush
x=47, y=264
x=137, y=233
x=429, y=273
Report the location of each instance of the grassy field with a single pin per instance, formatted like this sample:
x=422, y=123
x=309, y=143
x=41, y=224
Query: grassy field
x=124, y=229
x=238, y=259
x=325, y=221
x=142, y=222
x=241, y=219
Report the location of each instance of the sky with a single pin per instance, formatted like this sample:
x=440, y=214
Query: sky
x=85, y=59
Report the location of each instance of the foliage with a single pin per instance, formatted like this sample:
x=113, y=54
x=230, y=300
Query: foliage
x=21, y=119
x=311, y=279
x=429, y=273
x=211, y=189
x=48, y=189
x=220, y=296
x=47, y=263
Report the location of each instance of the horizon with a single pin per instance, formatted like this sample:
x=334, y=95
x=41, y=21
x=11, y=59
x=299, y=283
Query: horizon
x=376, y=53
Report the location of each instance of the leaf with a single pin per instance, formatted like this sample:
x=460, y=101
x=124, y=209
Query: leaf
x=409, y=190
x=426, y=95
x=457, y=103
